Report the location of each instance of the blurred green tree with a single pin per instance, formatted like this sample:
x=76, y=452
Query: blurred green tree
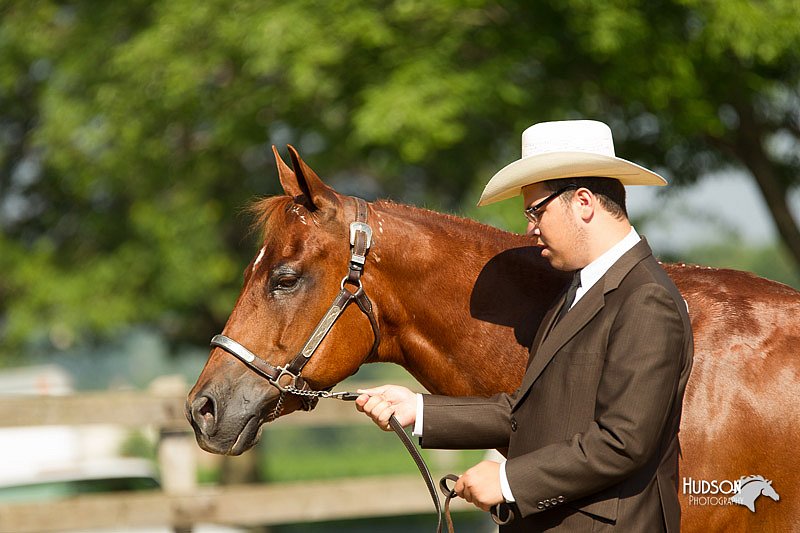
x=132, y=132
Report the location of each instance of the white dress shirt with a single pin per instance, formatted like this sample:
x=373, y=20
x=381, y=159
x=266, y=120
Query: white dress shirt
x=590, y=274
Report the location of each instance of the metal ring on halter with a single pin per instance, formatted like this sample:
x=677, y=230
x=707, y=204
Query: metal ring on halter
x=357, y=283
x=280, y=386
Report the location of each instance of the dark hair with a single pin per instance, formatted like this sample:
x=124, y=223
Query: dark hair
x=609, y=192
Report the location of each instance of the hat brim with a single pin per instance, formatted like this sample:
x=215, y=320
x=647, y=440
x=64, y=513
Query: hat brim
x=510, y=180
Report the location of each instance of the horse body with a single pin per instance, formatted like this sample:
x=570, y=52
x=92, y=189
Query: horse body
x=458, y=304
x=446, y=337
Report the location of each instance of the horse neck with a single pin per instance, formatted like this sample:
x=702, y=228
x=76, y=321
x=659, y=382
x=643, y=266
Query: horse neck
x=446, y=293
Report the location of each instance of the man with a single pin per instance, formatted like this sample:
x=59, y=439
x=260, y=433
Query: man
x=592, y=432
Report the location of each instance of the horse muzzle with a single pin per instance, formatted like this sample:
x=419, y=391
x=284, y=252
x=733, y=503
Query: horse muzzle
x=228, y=426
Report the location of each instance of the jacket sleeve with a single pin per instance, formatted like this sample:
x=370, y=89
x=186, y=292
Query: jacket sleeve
x=463, y=423
x=635, y=398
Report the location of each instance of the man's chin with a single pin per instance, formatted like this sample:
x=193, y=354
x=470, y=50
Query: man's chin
x=554, y=261
x=548, y=254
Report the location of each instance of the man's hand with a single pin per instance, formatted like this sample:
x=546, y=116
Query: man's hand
x=382, y=402
x=480, y=485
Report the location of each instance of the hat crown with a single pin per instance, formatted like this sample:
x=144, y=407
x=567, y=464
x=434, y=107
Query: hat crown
x=565, y=149
x=589, y=136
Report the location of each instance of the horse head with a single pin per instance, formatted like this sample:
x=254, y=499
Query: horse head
x=769, y=491
x=288, y=287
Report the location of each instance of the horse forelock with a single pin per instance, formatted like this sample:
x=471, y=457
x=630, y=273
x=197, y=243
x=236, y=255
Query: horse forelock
x=264, y=213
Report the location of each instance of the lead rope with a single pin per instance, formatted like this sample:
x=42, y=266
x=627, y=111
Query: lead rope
x=415, y=455
x=426, y=475
x=501, y=513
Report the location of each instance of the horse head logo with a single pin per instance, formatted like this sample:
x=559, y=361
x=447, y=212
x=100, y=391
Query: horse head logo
x=750, y=488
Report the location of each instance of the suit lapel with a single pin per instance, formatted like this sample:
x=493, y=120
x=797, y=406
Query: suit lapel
x=546, y=326
x=586, y=308
x=552, y=338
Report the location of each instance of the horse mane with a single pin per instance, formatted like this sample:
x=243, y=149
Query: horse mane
x=459, y=227
x=262, y=210
x=744, y=480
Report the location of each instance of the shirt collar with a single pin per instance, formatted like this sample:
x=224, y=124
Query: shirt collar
x=591, y=273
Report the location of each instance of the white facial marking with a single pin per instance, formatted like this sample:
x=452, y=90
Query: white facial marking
x=296, y=210
x=259, y=258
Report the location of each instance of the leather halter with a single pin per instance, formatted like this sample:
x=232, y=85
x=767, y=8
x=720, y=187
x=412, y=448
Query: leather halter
x=288, y=378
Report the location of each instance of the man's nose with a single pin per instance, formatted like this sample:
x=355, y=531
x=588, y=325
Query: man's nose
x=533, y=230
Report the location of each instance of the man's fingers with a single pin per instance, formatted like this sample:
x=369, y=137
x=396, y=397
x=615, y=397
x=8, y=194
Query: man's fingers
x=477, y=485
x=372, y=404
x=382, y=412
x=459, y=486
x=465, y=491
x=360, y=401
x=366, y=394
x=374, y=391
x=380, y=403
x=378, y=409
x=385, y=411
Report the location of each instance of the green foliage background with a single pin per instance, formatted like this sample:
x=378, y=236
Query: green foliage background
x=132, y=133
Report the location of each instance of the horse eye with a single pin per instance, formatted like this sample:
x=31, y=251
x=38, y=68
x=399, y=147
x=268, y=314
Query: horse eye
x=286, y=282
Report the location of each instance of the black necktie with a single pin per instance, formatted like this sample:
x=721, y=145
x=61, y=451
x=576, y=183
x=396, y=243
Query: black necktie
x=571, y=291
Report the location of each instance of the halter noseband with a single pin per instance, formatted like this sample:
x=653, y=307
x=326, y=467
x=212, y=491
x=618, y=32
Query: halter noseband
x=288, y=378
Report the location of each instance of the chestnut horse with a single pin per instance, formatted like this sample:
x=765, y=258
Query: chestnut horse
x=457, y=304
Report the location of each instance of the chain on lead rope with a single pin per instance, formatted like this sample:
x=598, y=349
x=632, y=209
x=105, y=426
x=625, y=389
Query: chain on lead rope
x=344, y=395
x=307, y=394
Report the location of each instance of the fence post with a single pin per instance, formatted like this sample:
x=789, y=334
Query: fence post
x=177, y=457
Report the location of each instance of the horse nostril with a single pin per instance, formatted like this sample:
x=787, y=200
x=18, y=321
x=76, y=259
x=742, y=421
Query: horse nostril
x=203, y=414
x=207, y=409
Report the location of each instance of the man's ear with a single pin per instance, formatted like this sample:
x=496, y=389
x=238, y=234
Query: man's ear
x=587, y=202
x=303, y=184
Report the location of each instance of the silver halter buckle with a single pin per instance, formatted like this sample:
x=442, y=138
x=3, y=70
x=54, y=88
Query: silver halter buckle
x=363, y=227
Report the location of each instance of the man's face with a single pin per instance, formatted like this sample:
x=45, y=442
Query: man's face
x=557, y=233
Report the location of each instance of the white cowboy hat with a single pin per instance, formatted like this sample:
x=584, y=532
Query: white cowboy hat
x=565, y=149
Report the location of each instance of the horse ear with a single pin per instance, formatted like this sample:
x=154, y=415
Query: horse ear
x=316, y=195
x=286, y=176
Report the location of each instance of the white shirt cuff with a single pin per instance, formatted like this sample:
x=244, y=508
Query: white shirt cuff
x=504, y=486
x=417, y=432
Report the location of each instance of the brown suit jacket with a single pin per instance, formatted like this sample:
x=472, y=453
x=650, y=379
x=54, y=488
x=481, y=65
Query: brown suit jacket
x=592, y=432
